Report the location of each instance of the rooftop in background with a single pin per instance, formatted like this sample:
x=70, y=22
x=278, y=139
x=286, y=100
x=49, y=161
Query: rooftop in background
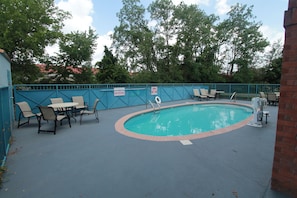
x=75, y=70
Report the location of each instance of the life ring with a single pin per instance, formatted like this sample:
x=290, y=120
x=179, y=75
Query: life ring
x=158, y=100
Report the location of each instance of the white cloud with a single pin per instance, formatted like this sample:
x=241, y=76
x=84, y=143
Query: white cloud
x=104, y=40
x=222, y=7
x=81, y=20
x=152, y=23
x=188, y=2
x=81, y=11
x=271, y=34
x=52, y=49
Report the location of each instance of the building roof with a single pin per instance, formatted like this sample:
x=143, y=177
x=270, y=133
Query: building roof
x=3, y=53
x=75, y=70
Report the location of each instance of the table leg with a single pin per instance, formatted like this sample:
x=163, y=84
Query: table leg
x=70, y=113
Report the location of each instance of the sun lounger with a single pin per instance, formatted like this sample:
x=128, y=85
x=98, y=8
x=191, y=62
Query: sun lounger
x=204, y=92
x=272, y=98
x=198, y=95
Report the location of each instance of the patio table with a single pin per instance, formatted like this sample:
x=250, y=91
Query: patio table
x=68, y=106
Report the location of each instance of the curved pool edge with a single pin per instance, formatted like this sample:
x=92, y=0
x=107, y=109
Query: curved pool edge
x=119, y=125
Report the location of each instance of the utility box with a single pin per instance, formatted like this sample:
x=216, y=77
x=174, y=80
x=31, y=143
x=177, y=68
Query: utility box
x=6, y=106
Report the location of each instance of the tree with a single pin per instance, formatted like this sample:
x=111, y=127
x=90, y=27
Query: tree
x=77, y=48
x=27, y=27
x=274, y=63
x=241, y=39
x=183, y=44
x=162, y=12
x=86, y=76
x=196, y=43
x=132, y=38
x=109, y=69
x=75, y=52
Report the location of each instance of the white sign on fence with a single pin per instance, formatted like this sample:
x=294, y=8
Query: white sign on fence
x=154, y=90
x=119, y=91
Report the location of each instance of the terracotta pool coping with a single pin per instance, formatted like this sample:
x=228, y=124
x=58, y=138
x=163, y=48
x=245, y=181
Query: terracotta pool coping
x=119, y=125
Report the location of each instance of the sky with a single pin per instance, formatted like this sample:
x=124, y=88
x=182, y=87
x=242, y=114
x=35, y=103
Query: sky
x=101, y=16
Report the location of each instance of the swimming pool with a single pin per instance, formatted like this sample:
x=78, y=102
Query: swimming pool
x=186, y=121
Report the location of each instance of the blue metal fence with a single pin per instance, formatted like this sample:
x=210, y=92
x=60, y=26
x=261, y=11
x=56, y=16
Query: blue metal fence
x=135, y=94
x=5, y=123
x=6, y=106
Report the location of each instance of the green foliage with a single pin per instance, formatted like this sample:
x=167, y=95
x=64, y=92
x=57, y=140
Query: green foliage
x=132, y=37
x=25, y=72
x=162, y=12
x=76, y=48
x=110, y=71
x=273, y=71
x=86, y=76
x=144, y=76
x=241, y=38
x=185, y=44
x=244, y=75
x=163, y=43
x=27, y=27
x=196, y=41
x=274, y=63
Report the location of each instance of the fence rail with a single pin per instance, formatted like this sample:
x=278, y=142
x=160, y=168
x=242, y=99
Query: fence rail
x=134, y=94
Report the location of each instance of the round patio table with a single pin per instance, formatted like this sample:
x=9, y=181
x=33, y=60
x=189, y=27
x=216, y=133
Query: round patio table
x=65, y=107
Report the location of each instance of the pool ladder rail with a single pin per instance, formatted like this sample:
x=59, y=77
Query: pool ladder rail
x=153, y=106
x=233, y=97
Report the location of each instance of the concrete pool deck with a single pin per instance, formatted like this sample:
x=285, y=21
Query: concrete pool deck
x=93, y=160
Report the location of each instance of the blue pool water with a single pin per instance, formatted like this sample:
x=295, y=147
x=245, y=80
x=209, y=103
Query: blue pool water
x=188, y=119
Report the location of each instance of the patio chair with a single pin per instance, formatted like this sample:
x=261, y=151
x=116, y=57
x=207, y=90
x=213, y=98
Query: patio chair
x=198, y=95
x=48, y=114
x=213, y=93
x=56, y=100
x=204, y=92
x=59, y=100
x=262, y=94
x=26, y=112
x=272, y=98
x=91, y=111
x=81, y=104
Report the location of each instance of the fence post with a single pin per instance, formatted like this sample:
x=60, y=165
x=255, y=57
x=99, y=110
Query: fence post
x=57, y=90
x=249, y=89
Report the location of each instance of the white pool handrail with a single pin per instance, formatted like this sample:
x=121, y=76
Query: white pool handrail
x=233, y=97
x=153, y=106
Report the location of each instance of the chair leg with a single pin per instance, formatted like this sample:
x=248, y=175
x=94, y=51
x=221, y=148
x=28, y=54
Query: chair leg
x=80, y=119
x=39, y=123
x=19, y=121
x=69, y=121
x=96, y=115
x=55, y=127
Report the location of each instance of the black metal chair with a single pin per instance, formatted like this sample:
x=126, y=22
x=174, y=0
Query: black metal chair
x=91, y=111
x=48, y=114
x=81, y=103
x=26, y=112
